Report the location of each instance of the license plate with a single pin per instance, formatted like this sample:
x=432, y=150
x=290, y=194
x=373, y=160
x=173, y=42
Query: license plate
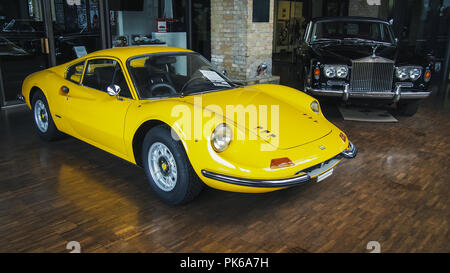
x=324, y=175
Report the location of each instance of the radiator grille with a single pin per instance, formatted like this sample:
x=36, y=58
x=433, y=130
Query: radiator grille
x=371, y=74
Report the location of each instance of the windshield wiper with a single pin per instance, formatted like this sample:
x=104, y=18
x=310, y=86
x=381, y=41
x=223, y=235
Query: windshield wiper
x=223, y=85
x=327, y=40
x=366, y=41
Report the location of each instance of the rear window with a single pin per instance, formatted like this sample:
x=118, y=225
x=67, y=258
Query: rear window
x=74, y=72
x=352, y=29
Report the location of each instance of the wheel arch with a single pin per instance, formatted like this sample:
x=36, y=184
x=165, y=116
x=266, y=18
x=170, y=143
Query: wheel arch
x=33, y=91
x=139, y=135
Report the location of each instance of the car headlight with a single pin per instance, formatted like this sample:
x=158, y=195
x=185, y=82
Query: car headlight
x=221, y=137
x=408, y=72
x=330, y=71
x=315, y=106
x=333, y=71
x=341, y=71
x=415, y=73
x=401, y=73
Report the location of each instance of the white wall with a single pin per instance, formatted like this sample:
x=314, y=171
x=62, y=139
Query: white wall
x=139, y=22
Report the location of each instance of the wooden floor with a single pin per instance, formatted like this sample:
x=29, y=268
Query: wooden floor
x=395, y=192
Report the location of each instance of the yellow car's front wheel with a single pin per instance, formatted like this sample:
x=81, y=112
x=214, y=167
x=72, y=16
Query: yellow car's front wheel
x=167, y=167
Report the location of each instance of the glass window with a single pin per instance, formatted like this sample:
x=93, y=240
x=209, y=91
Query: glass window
x=353, y=29
x=101, y=73
x=22, y=46
x=166, y=75
x=75, y=24
x=148, y=22
x=74, y=72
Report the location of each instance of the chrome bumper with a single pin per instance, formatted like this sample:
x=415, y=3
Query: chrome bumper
x=346, y=94
x=276, y=183
x=351, y=152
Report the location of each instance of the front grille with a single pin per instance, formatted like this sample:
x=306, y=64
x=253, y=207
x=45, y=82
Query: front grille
x=371, y=74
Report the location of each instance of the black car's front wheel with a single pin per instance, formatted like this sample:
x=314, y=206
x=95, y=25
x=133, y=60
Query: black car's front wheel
x=167, y=167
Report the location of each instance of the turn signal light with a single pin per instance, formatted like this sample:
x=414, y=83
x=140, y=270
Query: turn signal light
x=343, y=137
x=427, y=75
x=316, y=73
x=281, y=163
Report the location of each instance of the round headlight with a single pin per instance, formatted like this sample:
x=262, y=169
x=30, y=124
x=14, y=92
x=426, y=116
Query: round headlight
x=330, y=71
x=415, y=73
x=221, y=137
x=342, y=71
x=401, y=73
x=315, y=106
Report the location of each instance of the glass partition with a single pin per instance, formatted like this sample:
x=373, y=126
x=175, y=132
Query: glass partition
x=23, y=45
x=76, y=27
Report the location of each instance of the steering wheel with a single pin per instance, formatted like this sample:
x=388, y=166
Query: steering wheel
x=191, y=80
x=161, y=85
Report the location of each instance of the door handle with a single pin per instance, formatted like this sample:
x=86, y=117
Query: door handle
x=65, y=89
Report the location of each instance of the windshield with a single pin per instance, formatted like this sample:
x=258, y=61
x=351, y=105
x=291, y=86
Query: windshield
x=174, y=74
x=338, y=30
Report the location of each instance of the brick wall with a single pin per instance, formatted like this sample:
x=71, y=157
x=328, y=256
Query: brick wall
x=237, y=44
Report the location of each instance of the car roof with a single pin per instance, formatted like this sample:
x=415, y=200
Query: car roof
x=349, y=18
x=124, y=53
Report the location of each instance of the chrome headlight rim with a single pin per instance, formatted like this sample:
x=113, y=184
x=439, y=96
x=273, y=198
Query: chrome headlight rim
x=408, y=72
x=344, y=71
x=415, y=73
x=335, y=71
x=329, y=71
x=221, y=137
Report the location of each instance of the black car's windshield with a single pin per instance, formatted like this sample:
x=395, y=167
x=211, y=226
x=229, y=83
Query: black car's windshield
x=361, y=31
x=174, y=74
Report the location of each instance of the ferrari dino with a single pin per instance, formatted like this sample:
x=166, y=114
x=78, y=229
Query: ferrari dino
x=168, y=110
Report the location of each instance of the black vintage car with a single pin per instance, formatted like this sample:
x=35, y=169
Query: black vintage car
x=359, y=58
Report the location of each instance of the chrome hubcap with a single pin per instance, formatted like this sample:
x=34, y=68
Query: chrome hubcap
x=163, y=167
x=41, y=116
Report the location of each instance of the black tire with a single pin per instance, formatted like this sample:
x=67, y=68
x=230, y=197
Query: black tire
x=51, y=132
x=408, y=108
x=187, y=185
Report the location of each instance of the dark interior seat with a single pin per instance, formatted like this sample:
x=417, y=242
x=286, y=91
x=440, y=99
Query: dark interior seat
x=103, y=77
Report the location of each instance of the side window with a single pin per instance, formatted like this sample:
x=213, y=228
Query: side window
x=74, y=72
x=101, y=73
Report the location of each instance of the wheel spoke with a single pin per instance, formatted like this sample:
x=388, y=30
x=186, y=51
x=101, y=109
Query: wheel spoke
x=162, y=166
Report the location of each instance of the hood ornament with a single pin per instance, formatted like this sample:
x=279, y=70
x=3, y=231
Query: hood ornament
x=374, y=49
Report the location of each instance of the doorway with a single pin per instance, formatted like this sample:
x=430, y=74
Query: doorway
x=290, y=22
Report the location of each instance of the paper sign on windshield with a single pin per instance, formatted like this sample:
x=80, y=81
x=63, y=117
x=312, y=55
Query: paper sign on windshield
x=215, y=78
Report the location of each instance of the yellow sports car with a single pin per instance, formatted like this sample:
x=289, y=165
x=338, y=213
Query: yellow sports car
x=168, y=110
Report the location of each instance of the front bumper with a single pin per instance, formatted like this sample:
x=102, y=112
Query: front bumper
x=301, y=176
x=345, y=93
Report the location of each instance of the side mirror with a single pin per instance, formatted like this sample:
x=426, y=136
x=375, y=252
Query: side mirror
x=113, y=90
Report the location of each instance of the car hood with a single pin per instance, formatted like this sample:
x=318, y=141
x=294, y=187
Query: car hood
x=298, y=124
x=345, y=52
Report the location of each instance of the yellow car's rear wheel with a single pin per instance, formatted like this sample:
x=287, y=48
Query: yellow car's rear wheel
x=168, y=168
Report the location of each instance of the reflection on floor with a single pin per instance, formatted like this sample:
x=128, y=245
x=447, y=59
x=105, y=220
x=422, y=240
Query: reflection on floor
x=395, y=192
